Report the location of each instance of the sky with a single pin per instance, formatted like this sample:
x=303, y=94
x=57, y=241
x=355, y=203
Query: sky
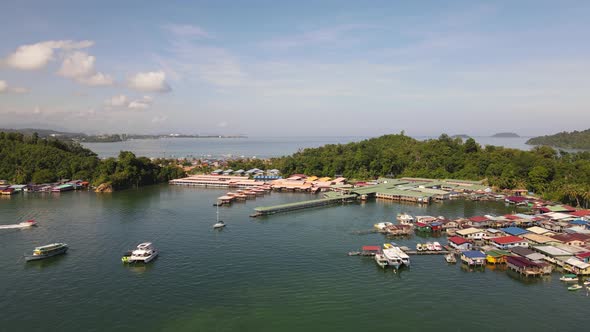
x=296, y=68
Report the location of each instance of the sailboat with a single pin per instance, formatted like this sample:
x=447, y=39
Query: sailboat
x=219, y=224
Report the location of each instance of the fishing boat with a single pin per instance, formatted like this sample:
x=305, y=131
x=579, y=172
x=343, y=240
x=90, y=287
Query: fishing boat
x=574, y=287
x=381, y=260
x=450, y=258
x=47, y=251
x=144, y=253
x=24, y=224
x=569, y=278
x=430, y=246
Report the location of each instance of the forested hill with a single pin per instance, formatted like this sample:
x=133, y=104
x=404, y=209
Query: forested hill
x=564, y=140
x=541, y=170
x=26, y=159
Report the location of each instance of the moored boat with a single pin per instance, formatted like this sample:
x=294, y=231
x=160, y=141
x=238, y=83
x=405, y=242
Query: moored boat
x=392, y=258
x=405, y=219
x=569, y=278
x=450, y=258
x=437, y=246
x=429, y=246
x=381, y=260
x=419, y=247
x=47, y=251
x=574, y=287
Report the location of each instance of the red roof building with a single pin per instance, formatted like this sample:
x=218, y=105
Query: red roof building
x=580, y=213
x=459, y=243
x=507, y=242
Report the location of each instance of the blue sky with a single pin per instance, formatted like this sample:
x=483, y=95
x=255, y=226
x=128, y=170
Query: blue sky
x=272, y=68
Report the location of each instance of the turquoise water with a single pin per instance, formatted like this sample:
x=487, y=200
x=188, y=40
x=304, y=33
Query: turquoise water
x=286, y=272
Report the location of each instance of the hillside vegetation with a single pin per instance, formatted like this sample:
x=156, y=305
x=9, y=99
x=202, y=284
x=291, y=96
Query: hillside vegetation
x=26, y=159
x=564, y=140
x=560, y=176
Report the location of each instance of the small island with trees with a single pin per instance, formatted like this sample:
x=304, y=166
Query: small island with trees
x=565, y=140
x=506, y=135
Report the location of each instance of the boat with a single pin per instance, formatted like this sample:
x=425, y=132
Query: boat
x=47, y=251
x=392, y=258
x=219, y=224
x=354, y=253
x=574, y=287
x=569, y=278
x=381, y=260
x=437, y=246
x=430, y=246
x=419, y=247
x=587, y=282
x=402, y=255
x=387, y=245
x=24, y=224
x=405, y=219
x=144, y=253
x=450, y=258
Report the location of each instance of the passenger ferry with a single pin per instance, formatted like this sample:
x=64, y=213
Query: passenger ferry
x=47, y=251
x=144, y=253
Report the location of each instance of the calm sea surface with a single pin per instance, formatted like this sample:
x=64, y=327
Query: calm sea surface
x=286, y=272
x=261, y=147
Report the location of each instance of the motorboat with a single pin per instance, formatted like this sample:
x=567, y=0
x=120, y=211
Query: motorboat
x=47, y=251
x=437, y=246
x=392, y=257
x=402, y=255
x=569, y=278
x=382, y=225
x=574, y=287
x=381, y=260
x=24, y=224
x=450, y=258
x=430, y=246
x=144, y=253
x=587, y=282
x=419, y=247
x=387, y=245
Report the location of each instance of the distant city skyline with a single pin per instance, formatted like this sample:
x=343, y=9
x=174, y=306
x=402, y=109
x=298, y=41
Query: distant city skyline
x=319, y=68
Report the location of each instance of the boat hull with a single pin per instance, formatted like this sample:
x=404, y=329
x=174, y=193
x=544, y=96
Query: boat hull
x=29, y=258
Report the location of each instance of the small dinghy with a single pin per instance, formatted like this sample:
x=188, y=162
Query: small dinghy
x=574, y=287
x=219, y=224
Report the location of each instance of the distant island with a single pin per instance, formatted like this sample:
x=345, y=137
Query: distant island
x=105, y=138
x=463, y=136
x=564, y=140
x=511, y=135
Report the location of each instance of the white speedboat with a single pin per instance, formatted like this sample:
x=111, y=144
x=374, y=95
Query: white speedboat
x=144, y=253
x=392, y=258
x=450, y=258
x=437, y=246
x=430, y=246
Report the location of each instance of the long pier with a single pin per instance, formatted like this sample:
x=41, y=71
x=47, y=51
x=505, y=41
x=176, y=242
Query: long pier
x=263, y=211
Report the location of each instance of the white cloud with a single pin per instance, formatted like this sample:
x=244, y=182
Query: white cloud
x=138, y=105
x=117, y=101
x=98, y=79
x=5, y=88
x=80, y=67
x=37, y=56
x=149, y=81
x=187, y=30
x=222, y=124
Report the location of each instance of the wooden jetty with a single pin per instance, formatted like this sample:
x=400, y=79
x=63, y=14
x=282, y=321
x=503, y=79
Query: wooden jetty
x=262, y=211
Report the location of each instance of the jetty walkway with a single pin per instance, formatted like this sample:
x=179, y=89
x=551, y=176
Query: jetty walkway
x=331, y=199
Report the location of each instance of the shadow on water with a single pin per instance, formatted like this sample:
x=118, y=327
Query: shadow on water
x=50, y=262
x=527, y=280
x=467, y=268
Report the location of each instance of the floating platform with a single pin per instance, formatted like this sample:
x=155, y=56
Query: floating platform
x=428, y=252
x=263, y=211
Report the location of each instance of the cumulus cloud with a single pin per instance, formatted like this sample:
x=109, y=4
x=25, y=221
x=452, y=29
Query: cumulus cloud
x=117, y=101
x=79, y=66
x=122, y=101
x=154, y=81
x=37, y=56
x=5, y=88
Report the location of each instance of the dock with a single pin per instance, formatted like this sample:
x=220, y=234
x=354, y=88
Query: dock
x=428, y=252
x=263, y=211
